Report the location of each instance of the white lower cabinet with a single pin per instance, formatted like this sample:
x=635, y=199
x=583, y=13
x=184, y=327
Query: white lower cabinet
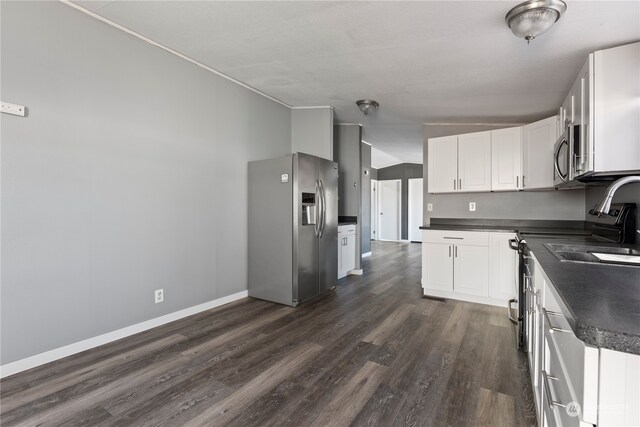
x=468, y=265
x=576, y=384
x=346, y=249
x=437, y=266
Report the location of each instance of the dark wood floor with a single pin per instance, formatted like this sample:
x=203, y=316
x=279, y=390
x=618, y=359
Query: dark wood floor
x=372, y=353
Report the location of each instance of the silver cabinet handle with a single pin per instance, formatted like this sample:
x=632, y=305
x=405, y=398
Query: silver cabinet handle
x=449, y=251
x=517, y=181
x=523, y=177
x=547, y=391
x=454, y=238
x=460, y=184
x=454, y=183
x=552, y=328
x=455, y=251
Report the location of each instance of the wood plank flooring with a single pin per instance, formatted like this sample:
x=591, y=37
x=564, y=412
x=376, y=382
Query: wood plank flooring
x=374, y=352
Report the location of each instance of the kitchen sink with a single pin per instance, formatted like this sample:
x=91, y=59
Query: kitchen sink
x=595, y=254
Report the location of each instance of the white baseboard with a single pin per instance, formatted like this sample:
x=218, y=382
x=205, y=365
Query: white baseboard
x=358, y=272
x=77, y=347
x=463, y=297
x=366, y=254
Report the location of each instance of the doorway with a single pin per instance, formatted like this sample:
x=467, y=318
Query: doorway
x=374, y=209
x=415, y=209
x=389, y=209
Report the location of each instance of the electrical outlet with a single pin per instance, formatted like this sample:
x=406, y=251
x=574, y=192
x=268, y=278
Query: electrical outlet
x=159, y=294
x=430, y=207
x=472, y=206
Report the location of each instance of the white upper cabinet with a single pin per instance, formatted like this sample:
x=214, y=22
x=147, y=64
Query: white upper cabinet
x=474, y=161
x=537, y=151
x=443, y=164
x=506, y=159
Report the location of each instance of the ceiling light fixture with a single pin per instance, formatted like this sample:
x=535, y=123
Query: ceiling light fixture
x=366, y=104
x=532, y=18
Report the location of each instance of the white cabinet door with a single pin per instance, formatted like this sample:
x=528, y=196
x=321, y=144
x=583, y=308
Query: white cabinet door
x=474, y=161
x=437, y=266
x=537, y=146
x=504, y=267
x=349, y=253
x=471, y=269
x=506, y=159
x=443, y=164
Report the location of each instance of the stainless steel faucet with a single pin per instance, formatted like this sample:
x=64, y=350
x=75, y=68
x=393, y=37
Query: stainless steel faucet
x=603, y=207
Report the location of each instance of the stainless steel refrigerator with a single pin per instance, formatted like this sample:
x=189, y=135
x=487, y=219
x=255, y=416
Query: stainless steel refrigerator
x=293, y=228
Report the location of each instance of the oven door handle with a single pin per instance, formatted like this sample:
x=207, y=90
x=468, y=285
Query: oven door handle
x=509, y=303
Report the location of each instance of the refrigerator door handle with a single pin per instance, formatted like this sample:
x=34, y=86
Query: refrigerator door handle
x=316, y=226
x=323, y=209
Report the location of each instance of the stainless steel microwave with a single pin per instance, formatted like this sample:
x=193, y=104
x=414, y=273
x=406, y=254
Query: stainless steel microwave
x=566, y=154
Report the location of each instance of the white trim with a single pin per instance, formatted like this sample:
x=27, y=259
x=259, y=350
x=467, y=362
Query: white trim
x=312, y=107
x=356, y=272
x=473, y=124
x=366, y=254
x=462, y=297
x=77, y=347
x=388, y=165
x=174, y=52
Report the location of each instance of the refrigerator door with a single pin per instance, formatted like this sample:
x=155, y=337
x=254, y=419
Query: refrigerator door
x=270, y=216
x=305, y=239
x=328, y=241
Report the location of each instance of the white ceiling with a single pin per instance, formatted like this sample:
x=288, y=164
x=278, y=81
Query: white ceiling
x=431, y=61
x=380, y=159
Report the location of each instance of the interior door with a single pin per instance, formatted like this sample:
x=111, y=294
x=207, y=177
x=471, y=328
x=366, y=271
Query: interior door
x=374, y=210
x=415, y=209
x=389, y=218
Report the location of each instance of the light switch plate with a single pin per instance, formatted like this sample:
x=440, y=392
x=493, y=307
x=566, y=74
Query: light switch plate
x=15, y=109
x=430, y=207
x=472, y=206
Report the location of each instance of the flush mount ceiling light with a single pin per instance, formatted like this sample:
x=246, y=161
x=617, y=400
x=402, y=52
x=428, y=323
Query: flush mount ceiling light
x=366, y=104
x=530, y=19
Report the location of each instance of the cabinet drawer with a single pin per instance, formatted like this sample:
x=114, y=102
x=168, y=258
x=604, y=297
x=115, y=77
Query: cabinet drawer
x=556, y=388
x=456, y=237
x=346, y=229
x=579, y=362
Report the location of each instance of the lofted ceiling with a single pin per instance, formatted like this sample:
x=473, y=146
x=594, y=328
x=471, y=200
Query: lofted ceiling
x=425, y=62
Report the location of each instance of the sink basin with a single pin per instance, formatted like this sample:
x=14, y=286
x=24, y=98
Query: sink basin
x=595, y=254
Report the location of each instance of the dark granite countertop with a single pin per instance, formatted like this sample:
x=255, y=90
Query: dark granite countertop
x=601, y=301
x=347, y=220
x=509, y=226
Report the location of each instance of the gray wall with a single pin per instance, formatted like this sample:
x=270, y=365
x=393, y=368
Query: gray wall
x=551, y=204
x=347, y=151
x=365, y=199
x=129, y=174
x=403, y=172
x=629, y=193
x=312, y=131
